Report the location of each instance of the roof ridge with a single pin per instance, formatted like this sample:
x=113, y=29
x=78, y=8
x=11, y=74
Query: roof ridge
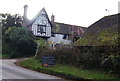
x=70, y=24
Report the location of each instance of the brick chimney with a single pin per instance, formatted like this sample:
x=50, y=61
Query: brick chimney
x=52, y=18
x=25, y=12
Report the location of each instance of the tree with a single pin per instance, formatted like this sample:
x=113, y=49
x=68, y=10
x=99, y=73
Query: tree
x=20, y=40
x=41, y=46
x=10, y=21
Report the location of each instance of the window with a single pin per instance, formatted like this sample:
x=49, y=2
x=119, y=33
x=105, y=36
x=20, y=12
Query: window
x=41, y=28
x=65, y=36
x=43, y=15
x=53, y=35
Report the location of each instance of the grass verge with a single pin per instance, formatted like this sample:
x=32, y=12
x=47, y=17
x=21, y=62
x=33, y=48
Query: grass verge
x=3, y=56
x=68, y=72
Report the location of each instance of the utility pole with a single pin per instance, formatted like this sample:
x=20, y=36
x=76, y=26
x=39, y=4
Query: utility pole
x=72, y=39
x=72, y=35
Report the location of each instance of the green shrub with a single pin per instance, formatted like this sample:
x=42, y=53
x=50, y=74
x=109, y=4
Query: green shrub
x=91, y=57
x=41, y=48
x=111, y=59
x=19, y=41
x=100, y=52
x=106, y=50
x=64, y=55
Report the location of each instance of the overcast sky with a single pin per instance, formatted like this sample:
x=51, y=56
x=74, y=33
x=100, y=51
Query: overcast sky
x=75, y=12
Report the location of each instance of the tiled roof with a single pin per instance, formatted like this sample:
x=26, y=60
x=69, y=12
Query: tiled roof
x=57, y=27
x=67, y=28
x=28, y=23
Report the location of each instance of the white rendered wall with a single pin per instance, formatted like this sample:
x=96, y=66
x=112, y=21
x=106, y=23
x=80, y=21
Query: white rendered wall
x=58, y=38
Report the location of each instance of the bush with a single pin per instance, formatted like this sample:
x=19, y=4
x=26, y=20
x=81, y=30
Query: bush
x=111, y=59
x=102, y=52
x=19, y=41
x=106, y=45
x=75, y=56
x=64, y=55
x=91, y=57
x=41, y=48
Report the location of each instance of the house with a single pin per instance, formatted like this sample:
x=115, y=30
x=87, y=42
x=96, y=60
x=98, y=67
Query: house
x=40, y=25
x=53, y=32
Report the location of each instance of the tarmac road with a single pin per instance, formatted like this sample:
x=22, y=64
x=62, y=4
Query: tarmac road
x=11, y=72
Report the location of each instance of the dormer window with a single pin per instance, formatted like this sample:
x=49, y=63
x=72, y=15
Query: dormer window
x=41, y=28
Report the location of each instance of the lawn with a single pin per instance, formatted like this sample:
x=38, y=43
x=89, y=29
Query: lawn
x=67, y=71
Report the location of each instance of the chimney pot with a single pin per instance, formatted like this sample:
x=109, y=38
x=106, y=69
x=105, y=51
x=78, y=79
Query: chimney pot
x=52, y=18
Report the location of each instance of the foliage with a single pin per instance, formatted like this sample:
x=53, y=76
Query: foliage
x=41, y=42
x=19, y=41
x=78, y=56
x=106, y=37
x=6, y=56
x=91, y=57
x=101, y=51
x=67, y=71
x=64, y=56
x=82, y=41
x=10, y=21
x=41, y=47
x=110, y=59
x=106, y=42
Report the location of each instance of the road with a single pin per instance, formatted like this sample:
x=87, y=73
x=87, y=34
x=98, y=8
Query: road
x=12, y=72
